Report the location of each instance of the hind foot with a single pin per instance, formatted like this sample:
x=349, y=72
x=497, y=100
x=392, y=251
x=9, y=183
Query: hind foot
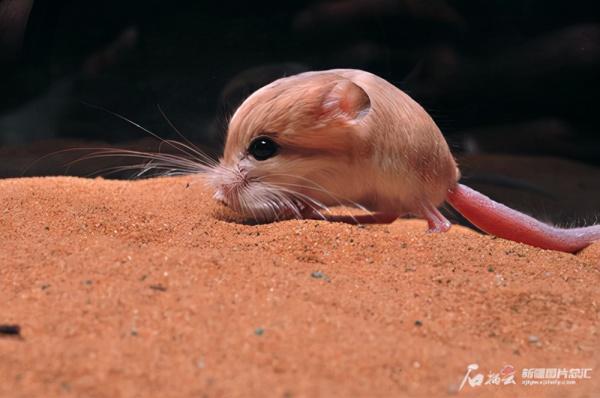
x=435, y=220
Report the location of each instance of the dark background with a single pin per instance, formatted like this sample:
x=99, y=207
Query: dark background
x=498, y=76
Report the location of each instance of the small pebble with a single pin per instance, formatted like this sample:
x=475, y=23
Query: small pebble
x=158, y=287
x=533, y=339
x=320, y=275
x=10, y=330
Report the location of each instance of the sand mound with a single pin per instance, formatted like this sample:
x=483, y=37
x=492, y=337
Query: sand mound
x=145, y=289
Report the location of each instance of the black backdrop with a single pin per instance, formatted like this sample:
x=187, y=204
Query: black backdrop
x=508, y=76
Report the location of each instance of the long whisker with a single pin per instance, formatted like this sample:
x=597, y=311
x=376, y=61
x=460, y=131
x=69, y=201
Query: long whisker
x=320, y=188
x=157, y=161
x=306, y=199
x=126, y=153
x=118, y=115
x=289, y=203
x=244, y=204
x=189, y=151
x=286, y=195
x=55, y=153
x=318, y=205
x=192, y=161
x=339, y=202
x=190, y=145
x=329, y=194
x=179, y=146
x=141, y=169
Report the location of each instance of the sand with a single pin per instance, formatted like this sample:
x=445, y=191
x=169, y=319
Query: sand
x=148, y=288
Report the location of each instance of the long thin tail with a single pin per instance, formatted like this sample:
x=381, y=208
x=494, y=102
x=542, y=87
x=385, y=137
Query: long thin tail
x=501, y=221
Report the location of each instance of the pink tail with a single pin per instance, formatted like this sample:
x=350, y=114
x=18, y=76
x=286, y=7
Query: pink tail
x=504, y=222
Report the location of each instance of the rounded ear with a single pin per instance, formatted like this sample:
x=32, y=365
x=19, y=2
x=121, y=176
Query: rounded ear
x=345, y=102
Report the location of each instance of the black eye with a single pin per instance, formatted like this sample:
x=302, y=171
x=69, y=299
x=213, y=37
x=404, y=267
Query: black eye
x=262, y=148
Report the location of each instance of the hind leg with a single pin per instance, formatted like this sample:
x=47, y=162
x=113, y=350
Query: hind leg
x=435, y=220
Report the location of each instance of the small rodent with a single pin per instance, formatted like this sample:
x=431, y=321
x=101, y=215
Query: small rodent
x=318, y=139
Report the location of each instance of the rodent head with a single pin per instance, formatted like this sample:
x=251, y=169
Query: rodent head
x=291, y=145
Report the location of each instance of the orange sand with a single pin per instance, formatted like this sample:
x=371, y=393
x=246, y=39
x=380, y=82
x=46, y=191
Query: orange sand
x=148, y=288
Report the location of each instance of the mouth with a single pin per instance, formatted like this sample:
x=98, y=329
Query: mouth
x=291, y=208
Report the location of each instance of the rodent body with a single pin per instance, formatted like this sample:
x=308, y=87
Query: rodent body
x=344, y=136
x=350, y=132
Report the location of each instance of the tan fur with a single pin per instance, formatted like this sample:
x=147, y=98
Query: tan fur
x=348, y=132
